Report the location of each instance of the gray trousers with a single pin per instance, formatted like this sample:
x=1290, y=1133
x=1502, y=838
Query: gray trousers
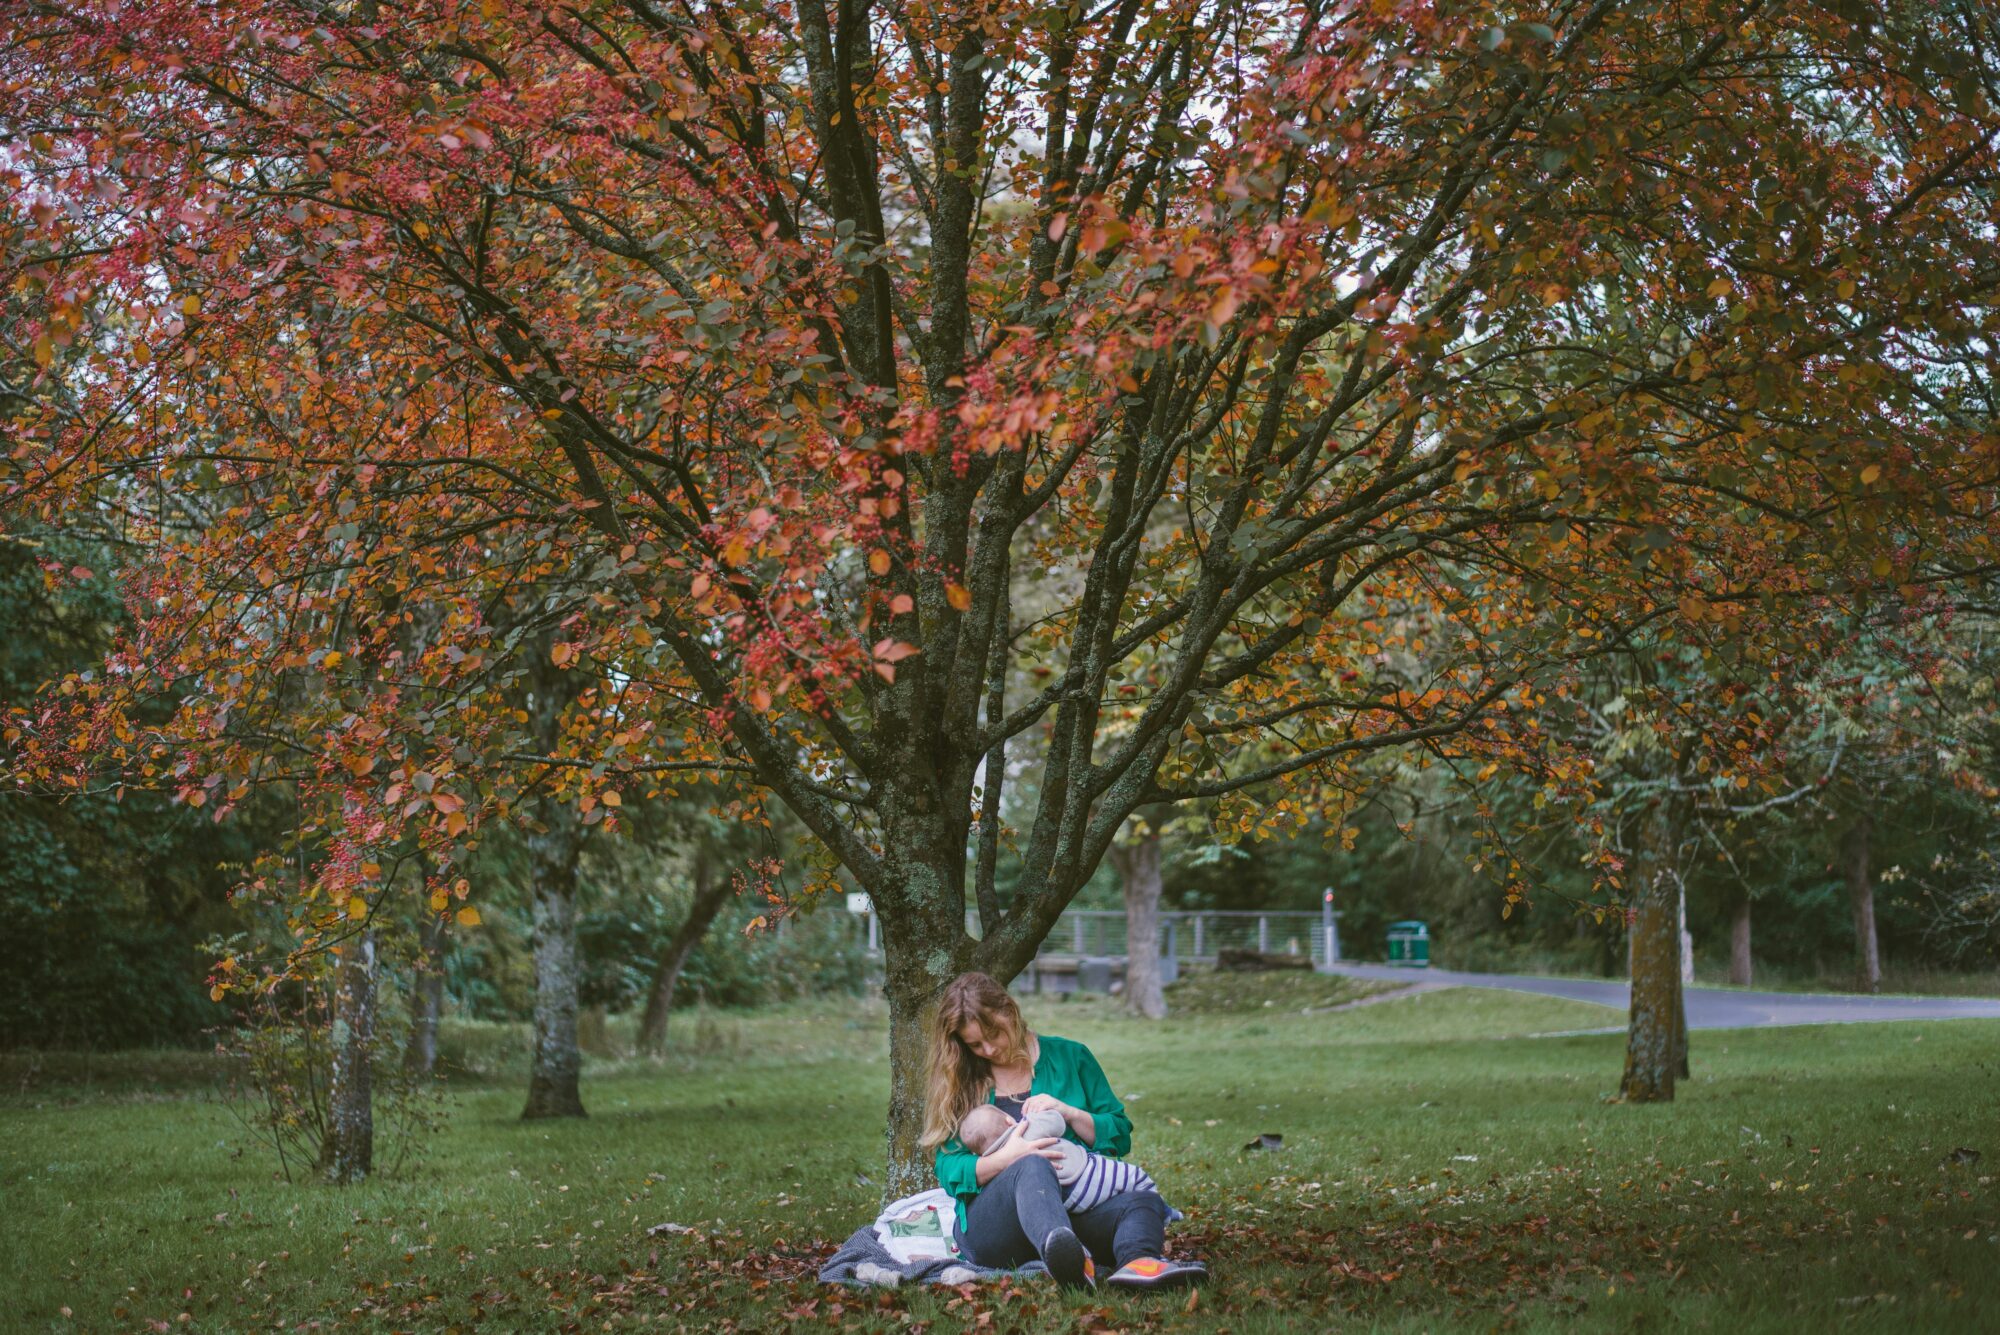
x=1013, y=1214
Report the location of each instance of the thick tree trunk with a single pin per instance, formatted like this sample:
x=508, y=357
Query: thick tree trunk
x=1854, y=849
x=347, y=1154
x=711, y=892
x=920, y=897
x=910, y=1169
x=917, y=963
x=1138, y=867
x=1739, y=944
x=426, y=997
x=558, y=1057
x=1656, y=1040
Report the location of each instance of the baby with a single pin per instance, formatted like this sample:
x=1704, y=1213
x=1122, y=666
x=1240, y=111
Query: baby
x=1088, y=1178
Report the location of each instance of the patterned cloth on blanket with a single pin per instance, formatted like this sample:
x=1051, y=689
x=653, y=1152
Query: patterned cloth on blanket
x=913, y=1240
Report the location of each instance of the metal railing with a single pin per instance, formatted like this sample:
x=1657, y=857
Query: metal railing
x=1198, y=936
x=1189, y=936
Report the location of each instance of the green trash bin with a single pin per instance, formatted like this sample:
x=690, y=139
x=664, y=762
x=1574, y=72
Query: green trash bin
x=1410, y=944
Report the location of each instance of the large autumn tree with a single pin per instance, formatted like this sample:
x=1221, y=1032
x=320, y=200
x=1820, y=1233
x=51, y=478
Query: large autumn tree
x=785, y=342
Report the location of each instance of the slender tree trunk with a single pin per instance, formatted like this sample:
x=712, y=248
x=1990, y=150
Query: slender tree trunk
x=555, y=842
x=1608, y=963
x=1683, y=939
x=558, y=1057
x=1138, y=867
x=1681, y=1033
x=1656, y=1040
x=1739, y=944
x=711, y=892
x=347, y=1154
x=427, y=997
x=1854, y=850
x=1684, y=950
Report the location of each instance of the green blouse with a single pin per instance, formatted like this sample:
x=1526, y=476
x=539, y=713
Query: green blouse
x=1065, y=1069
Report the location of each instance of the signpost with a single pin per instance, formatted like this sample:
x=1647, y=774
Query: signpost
x=859, y=905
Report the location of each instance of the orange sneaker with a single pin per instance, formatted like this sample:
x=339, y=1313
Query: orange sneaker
x=1068, y=1260
x=1150, y=1272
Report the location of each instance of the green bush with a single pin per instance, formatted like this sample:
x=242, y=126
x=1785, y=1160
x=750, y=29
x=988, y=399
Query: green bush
x=80, y=978
x=105, y=901
x=810, y=955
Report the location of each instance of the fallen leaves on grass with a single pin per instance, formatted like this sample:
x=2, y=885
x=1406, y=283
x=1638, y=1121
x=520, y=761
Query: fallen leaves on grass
x=702, y=1283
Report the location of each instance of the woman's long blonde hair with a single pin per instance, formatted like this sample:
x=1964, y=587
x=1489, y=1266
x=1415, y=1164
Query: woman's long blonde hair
x=956, y=1079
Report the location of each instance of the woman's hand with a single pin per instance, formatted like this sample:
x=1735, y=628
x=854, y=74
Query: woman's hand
x=1016, y=1146
x=1081, y=1124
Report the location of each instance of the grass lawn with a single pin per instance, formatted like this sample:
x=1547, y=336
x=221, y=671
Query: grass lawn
x=1442, y=1169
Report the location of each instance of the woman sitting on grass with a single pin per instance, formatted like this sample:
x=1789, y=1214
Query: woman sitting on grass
x=1010, y=1204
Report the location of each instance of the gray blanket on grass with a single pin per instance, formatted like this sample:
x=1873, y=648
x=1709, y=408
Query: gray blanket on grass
x=862, y=1260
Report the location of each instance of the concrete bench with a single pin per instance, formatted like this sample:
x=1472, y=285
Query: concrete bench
x=1058, y=975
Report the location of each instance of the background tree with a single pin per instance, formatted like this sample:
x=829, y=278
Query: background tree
x=109, y=896
x=722, y=848
x=1136, y=857
x=427, y=989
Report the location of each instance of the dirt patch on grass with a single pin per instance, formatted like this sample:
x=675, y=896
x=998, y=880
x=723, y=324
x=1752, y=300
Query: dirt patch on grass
x=1208, y=992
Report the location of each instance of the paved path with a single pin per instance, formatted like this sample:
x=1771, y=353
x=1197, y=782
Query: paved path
x=1708, y=1007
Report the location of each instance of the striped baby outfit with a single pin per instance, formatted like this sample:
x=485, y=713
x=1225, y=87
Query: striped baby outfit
x=1088, y=1179
x=1101, y=1178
